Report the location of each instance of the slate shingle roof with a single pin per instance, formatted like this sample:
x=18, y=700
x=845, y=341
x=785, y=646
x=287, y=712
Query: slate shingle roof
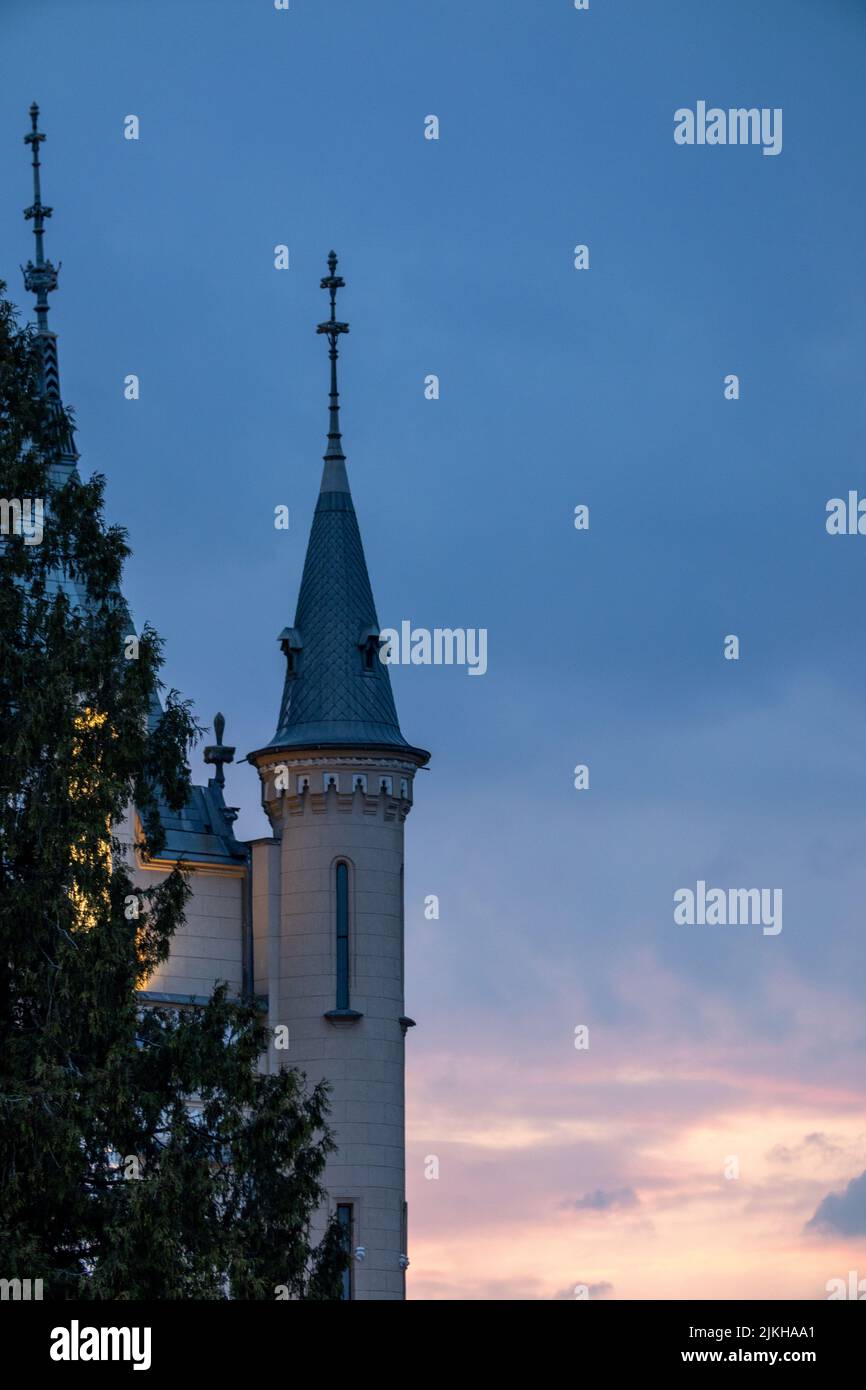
x=332, y=699
x=201, y=832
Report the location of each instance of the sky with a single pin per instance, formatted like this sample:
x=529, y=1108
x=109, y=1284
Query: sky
x=710, y=1141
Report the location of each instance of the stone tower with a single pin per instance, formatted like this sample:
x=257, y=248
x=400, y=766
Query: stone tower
x=327, y=897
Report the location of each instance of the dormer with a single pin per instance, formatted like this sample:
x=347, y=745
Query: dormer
x=368, y=645
x=291, y=645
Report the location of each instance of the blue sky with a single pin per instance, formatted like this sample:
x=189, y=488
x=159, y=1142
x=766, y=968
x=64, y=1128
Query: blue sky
x=558, y=387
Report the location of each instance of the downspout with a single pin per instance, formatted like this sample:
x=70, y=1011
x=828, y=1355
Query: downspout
x=247, y=963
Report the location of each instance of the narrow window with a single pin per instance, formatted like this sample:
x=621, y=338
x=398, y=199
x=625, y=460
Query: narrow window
x=342, y=936
x=344, y=1216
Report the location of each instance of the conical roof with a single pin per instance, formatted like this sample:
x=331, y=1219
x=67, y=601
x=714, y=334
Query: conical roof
x=333, y=693
x=337, y=691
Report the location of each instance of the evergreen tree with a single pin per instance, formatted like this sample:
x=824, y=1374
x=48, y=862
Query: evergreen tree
x=142, y=1152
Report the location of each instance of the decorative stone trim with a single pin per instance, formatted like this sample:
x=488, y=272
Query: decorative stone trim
x=340, y=1016
x=297, y=803
x=327, y=760
x=193, y=1001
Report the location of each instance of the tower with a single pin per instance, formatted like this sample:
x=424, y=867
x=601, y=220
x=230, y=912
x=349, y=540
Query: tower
x=327, y=896
x=308, y=922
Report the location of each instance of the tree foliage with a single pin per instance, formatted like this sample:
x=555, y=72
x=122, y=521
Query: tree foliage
x=143, y=1154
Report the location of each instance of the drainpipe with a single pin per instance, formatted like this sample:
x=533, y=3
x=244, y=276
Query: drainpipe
x=248, y=973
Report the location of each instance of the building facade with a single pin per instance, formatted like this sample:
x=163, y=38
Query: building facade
x=309, y=917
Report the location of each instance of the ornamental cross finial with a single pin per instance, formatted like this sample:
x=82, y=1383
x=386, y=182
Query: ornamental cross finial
x=333, y=328
x=40, y=276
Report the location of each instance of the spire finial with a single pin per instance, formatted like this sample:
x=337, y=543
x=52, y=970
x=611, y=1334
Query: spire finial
x=40, y=277
x=333, y=329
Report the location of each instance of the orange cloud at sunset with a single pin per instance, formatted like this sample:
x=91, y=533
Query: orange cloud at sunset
x=592, y=1169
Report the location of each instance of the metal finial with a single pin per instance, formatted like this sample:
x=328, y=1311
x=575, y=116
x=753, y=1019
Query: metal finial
x=217, y=753
x=333, y=328
x=40, y=278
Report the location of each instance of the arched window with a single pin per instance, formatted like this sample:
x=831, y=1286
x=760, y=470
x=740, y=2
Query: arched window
x=343, y=1013
x=346, y=1218
x=342, y=936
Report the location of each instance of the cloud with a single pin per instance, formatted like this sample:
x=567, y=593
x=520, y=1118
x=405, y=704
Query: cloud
x=818, y=1145
x=602, y=1290
x=845, y=1213
x=600, y=1200
x=467, y=1287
